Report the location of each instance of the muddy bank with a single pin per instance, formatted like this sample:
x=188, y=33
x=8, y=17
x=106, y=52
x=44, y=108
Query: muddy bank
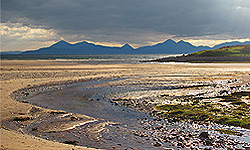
x=120, y=127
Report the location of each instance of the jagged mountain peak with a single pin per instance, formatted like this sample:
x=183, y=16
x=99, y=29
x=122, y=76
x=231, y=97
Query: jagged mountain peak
x=60, y=43
x=181, y=41
x=82, y=43
x=169, y=41
x=127, y=45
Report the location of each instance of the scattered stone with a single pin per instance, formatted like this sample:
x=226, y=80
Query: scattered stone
x=57, y=112
x=22, y=118
x=208, y=142
x=73, y=118
x=157, y=144
x=71, y=142
x=34, y=129
x=204, y=135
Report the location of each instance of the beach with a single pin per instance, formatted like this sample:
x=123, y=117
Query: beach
x=22, y=75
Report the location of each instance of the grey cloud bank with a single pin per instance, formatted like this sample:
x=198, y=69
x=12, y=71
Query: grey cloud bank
x=138, y=22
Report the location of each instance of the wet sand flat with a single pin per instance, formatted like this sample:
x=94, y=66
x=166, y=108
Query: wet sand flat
x=19, y=74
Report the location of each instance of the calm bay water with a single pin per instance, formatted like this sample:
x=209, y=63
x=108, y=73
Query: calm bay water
x=88, y=58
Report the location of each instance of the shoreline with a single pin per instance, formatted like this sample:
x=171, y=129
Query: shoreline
x=11, y=109
x=8, y=87
x=203, y=59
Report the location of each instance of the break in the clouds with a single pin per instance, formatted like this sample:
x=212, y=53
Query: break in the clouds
x=29, y=24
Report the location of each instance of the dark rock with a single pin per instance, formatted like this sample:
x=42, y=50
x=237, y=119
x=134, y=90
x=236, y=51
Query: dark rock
x=204, y=135
x=208, y=142
x=25, y=93
x=21, y=118
x=73, y=118
x=57, y=112
x=247, y=147
x=157, y=119
x=180, y=144
x=153, y=112
x=157, y=144
x=71, y=142
x=34, y=129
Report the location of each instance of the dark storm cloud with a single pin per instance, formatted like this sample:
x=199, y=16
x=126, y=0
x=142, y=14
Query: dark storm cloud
x=122, y=18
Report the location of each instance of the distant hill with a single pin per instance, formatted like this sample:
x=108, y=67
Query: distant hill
x=239, y=53
x=234, y=43
x=167, y=47
x=240, y=50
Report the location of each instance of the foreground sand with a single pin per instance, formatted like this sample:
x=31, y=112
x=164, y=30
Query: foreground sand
x=18, y=74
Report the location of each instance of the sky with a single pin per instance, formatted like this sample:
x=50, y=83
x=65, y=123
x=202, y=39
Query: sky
x=31, y=24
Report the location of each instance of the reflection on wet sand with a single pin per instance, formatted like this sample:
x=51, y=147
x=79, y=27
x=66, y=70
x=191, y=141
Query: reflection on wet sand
x=116, y=125
x=99, y=110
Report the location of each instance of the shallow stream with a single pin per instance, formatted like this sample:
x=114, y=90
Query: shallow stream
x=134, y=129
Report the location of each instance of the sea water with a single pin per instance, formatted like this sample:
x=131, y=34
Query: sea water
x=89, y=58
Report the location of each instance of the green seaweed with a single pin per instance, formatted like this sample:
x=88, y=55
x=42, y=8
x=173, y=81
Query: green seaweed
x=237, y=115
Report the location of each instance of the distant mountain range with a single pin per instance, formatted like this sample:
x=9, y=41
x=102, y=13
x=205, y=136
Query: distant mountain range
x=167, y=47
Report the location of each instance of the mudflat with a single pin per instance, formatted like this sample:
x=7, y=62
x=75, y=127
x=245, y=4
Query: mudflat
x=24, y=74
